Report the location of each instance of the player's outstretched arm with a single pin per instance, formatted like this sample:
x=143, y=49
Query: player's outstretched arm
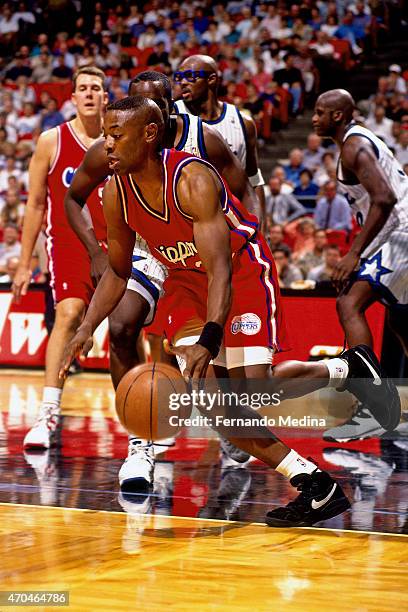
x=199, y=193
x=110, y=289
x=252, y=167
x=92, y=172
x=359, y=157
x=35, y=208
x=230, y=168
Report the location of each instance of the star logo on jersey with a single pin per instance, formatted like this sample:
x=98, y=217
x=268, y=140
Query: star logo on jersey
x=372, y=269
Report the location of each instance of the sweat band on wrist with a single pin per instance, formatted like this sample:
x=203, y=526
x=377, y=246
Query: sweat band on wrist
x=257, y=179
x=211, y=338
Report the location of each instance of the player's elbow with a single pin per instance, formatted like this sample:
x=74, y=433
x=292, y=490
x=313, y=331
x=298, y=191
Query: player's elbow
x=71, y=202
x=386, y=200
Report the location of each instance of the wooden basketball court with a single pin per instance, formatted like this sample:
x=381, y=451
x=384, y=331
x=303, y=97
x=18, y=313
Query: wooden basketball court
x=198, y=540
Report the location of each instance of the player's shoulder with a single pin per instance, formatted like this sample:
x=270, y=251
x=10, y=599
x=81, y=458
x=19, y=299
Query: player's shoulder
x=197, y=177
x=96, y=154
x=48, y=137
x=46, y=147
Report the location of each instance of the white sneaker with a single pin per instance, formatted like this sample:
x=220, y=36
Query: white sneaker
x=46, y=471
x=163, y=445
x=136, y=474
x=42, y=434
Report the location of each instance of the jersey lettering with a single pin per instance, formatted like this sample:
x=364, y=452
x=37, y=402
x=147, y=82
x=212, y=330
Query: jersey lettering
x=178, y=253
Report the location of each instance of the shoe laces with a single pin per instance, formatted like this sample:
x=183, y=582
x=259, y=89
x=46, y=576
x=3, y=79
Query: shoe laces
x=136, y=447
x=308, y=487
x=49, y=415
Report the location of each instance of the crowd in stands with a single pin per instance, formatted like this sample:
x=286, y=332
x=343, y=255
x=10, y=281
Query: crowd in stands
x=274, y=58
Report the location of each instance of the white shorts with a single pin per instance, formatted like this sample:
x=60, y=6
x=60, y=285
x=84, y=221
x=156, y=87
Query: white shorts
x=386, y=269
x=233, y=357
x=148, y=276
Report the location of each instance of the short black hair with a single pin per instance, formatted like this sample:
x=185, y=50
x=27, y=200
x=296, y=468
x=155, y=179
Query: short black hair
x=130, y=103
x=153, y=75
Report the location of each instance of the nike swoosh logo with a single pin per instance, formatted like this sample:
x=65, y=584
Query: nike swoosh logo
x=318, y=504
x=377, y=379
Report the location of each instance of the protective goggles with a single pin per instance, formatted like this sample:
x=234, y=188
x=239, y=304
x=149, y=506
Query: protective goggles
x=190, y=75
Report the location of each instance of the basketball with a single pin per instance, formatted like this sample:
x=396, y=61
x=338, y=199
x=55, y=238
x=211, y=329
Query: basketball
x=146, y=401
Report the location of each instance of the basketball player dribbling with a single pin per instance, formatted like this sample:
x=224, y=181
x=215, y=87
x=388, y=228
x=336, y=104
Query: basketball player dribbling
x=376, y=267
x=182, y=132
x=189, y=218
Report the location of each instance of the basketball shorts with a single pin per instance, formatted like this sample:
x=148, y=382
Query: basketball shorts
x=70, y=270
x=148, y=276
x=386, y=269
x=71, y=275
x=255, y=327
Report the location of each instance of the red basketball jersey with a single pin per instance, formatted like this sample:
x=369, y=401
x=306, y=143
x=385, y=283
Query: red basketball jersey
x=70, y=152
x=169, y=232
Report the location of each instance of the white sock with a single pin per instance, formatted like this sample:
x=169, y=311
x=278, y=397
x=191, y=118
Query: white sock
x=338, y=371
x=294, y=464
x=52, y=397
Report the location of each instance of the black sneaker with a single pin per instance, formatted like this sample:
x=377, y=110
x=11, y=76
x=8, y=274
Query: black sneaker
x=367, y=382
x=321, y=498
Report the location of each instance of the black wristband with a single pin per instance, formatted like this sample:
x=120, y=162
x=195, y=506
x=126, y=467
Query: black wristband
x=211, y=338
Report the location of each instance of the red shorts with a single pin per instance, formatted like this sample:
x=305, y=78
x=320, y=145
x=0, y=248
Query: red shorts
x=70, y=270
x=255, y=318
x=158, y=325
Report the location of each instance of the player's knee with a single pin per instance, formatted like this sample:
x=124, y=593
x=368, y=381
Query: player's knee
x=69, y=315
x=346, y=307
x=122, y=333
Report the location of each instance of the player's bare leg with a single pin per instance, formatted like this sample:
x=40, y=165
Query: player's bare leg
x=69, y=315
x=125, y=324
x=320, y=496
x=351, y=308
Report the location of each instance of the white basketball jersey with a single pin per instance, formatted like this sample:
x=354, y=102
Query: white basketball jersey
x=192, y=138
x=230, y=125
x=358, y=198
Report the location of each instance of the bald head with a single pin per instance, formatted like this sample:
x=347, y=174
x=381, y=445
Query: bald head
x=338, y=100
x=200, y=62
x=332, y=113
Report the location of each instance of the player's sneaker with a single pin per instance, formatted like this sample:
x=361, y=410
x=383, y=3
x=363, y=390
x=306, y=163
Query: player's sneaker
x=367, y=382
x=231, y=455
x=163, y=445
x=43, y=434
x=136, y=474
x=136, y=507
x=320, y=498
x=46, y=471
x=361, y=426
x=373, y=470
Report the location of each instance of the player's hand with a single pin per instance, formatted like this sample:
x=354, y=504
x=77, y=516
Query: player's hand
x=196, y=357
x=99, y=261
x=345, y=267
x=21, y=281
x=79, y=346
